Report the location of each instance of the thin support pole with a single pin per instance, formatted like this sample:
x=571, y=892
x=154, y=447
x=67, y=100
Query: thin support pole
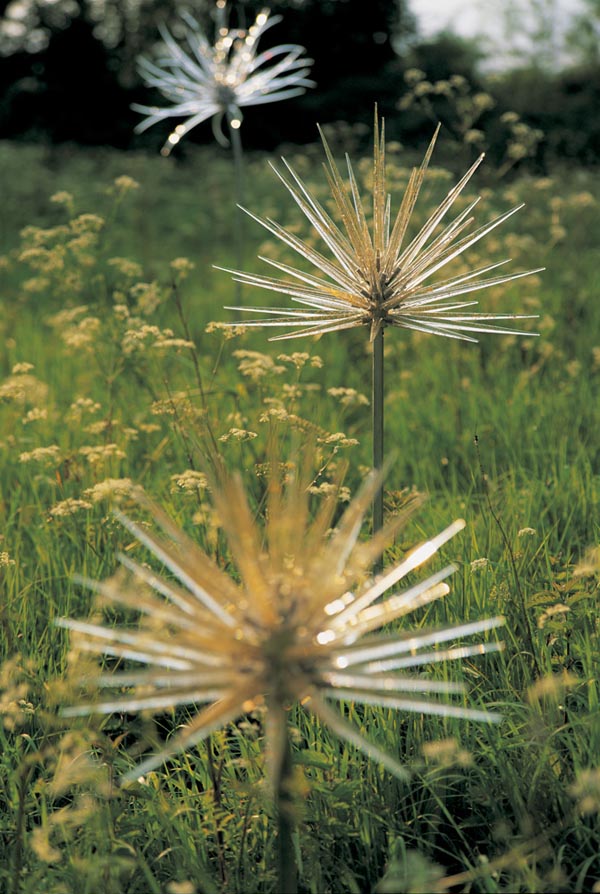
x=286, y=857
x=281, y=772
x=238, y=164
x=377, y=408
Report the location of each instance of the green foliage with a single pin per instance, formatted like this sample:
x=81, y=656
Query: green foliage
x=583, y=34
x=465, y=112
x=559, y=104
x=112, y=361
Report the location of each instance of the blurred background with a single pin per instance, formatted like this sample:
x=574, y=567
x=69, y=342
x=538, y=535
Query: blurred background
x=518, y=73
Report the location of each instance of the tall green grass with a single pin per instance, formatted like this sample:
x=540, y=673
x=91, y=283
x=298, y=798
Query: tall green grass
x=505, y=433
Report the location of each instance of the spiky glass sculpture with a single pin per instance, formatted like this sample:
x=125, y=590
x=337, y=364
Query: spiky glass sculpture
x=299, y=626
x=372, y=275
x=216, y=81
x=373, y=278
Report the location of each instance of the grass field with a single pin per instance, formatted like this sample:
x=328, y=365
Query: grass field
x=110, y=367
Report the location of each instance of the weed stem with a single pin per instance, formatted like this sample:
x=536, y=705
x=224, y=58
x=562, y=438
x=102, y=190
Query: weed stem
x=528, y=629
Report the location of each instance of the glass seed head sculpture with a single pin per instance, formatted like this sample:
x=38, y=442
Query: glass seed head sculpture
x=299, y=625
x=371, y=275
x=217, y=81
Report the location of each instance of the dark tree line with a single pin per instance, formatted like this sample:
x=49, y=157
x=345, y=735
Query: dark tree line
x=79, y=81
x=68, y=73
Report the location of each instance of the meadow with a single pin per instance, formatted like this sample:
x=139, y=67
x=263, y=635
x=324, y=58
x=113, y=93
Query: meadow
x=113, y=362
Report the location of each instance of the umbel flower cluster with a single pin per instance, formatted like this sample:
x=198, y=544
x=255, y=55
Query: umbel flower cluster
x=217, y=81
x=302, y=625
x=374, y=275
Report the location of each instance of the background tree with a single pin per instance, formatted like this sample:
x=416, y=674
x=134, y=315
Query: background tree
x=583, y=37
